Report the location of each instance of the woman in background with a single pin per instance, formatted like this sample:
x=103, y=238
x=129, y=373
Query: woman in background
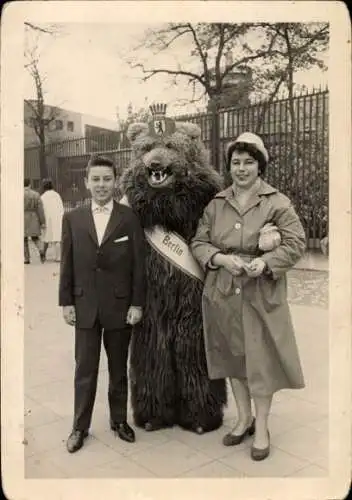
x=247, y=240
x=54, y=211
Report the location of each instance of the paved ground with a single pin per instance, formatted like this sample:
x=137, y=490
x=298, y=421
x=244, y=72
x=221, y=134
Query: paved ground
x=298, y=423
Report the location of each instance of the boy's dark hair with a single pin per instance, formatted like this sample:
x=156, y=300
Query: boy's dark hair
x=27, y=182
x=245, y=147
x=101, y=161
x=47, y=184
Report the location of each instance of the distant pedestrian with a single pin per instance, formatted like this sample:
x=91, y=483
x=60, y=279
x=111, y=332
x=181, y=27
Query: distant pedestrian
x=34, y=220
x=54, y=211
x=324, y=245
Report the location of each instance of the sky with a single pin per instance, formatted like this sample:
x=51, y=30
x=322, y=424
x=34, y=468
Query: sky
x=86, y=71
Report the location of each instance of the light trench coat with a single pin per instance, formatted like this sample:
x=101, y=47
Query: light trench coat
x=247, y=322
x=54, y=211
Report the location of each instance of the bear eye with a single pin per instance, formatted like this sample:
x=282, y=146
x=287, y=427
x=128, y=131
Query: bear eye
x=148, y=147
x=169, y=145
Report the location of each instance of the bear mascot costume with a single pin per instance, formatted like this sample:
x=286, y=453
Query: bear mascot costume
x=168, y=184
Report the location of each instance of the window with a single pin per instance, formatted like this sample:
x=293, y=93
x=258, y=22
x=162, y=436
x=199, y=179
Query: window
x=59, y=125
x=70, y=126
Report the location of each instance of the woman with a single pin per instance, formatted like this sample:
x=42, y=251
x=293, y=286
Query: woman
x=248, y=330
x=54, y=211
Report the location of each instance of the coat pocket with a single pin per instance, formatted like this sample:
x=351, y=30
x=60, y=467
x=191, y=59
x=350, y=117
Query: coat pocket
x=224, y=282
x=77, y=291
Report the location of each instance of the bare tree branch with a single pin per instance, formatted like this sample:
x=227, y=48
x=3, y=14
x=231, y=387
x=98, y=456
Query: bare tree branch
x=152, y=72
x=52, y=29
x=203, y=55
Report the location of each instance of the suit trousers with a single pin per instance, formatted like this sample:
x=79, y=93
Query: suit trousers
x=87, y=356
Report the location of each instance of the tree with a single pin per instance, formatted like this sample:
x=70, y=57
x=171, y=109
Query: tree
x=40, y=115
x=274, y=52
x=297, y=46
x=210, y=43
x=142, y=114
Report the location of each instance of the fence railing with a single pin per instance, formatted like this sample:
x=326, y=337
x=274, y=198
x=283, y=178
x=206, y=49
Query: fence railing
x=295, y=132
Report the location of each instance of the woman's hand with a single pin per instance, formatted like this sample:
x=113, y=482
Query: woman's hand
x=232, y=263
x=255, y=268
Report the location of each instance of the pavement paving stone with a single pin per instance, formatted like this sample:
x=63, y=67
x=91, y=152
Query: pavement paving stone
x=210, y=443
x=121, y=467
x=213, y=470
x=304, y=442
x=311, y=471
x=36, y=414
x=278, y=464
x=57, y=396
x=48, y=436
x=145, y=441
x=170, y=459
x=37, y=468
x=92, y=455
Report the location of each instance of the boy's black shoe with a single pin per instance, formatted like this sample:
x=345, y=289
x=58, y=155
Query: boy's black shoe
x=75, y=440
x=124, y=431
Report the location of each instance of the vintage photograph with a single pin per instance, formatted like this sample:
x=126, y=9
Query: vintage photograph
x=176, y=250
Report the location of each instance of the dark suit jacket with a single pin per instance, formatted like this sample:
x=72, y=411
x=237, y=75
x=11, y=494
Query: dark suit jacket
x=102, y=281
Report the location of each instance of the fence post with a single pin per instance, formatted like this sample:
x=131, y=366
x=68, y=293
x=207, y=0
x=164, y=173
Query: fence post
x=215, y=133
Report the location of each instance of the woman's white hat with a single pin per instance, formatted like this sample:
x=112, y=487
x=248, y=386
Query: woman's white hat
x=254, y=140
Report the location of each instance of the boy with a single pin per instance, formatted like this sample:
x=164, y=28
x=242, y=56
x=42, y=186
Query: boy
x=102, y=292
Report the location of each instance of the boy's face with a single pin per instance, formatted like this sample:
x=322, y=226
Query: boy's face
x=101, y=182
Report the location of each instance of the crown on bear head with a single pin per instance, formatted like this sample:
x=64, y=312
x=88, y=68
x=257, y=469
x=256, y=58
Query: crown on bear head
x=158, y=110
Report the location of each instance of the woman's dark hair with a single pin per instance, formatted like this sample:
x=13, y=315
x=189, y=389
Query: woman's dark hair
x=47, y=185
x=245, y=147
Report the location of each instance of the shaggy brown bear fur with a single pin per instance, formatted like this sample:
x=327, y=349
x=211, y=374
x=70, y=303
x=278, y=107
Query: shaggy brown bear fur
x=169, y=183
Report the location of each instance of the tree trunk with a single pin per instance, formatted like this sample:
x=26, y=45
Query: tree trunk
x=42, y=157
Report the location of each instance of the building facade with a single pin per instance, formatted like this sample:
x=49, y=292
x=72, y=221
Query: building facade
x=65, y=125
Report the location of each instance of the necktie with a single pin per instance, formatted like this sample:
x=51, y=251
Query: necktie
x=101, y=210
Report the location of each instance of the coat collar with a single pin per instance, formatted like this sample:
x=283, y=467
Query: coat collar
x=228, y=194
x=115, y=220
x=264, y=189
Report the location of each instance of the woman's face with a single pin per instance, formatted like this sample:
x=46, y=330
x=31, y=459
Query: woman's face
x=244, y=169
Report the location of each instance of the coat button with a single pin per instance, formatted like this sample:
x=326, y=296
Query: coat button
x=237, y=225
x=237, y=291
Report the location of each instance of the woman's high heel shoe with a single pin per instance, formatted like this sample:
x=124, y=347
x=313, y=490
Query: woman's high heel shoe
x=258, y=454
x=232, y=440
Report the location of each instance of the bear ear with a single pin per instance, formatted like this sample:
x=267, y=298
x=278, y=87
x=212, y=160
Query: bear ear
x=135, y=130
x=190, y=129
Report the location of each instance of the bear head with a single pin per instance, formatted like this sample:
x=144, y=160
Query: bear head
x=169, y=180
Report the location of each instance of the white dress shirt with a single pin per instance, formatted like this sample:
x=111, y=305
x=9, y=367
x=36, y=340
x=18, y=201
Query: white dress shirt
x=101, y=216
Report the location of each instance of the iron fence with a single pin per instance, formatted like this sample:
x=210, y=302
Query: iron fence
x=295, y=132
